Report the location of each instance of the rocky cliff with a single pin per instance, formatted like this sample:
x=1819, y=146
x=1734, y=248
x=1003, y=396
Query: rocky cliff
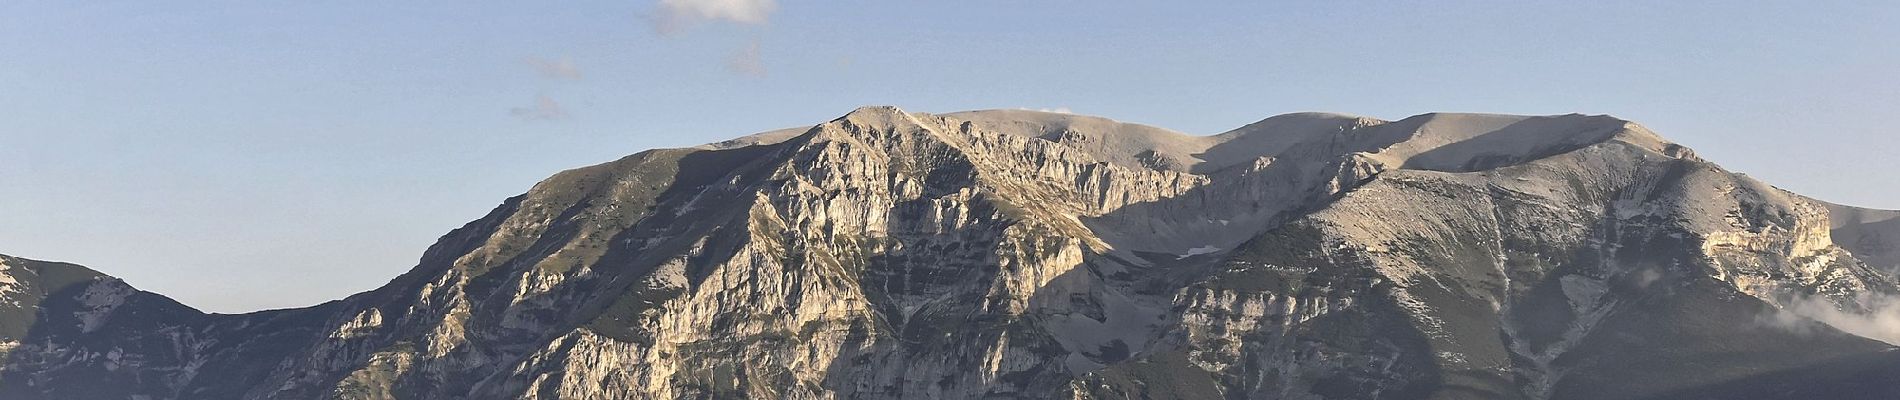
x=1015, y=254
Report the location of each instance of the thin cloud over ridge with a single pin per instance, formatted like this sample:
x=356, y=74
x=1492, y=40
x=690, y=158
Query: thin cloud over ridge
x=1870, y=316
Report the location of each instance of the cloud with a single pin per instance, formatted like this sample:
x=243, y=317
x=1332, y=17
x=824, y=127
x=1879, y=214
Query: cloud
x=747, y=61
x=674, y=16
x=1057, y=110
x=544, y=109
x=1647, y=277
x=555, y=69
x=1875, y=317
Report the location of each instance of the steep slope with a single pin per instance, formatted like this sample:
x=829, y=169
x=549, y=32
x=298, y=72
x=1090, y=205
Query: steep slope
x=1610, y=271
x=1018, y=254
x=25, y=284
x=108, y=330
x=78, y=334
x=1870, y=234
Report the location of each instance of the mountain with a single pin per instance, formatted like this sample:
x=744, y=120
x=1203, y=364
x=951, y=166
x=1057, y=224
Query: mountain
x=1018, y=254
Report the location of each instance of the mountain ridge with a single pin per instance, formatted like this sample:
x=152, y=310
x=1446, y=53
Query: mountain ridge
x=891, y=254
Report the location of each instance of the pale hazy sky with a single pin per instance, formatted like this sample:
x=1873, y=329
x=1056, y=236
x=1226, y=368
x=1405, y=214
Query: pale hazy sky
x=239, y=156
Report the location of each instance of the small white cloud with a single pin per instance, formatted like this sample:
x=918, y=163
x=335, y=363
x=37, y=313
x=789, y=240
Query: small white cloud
x=544, y=109
x=673, y=16
x=1058, y=110
x=1870, y=316
x=555, y=69
x=747, y=61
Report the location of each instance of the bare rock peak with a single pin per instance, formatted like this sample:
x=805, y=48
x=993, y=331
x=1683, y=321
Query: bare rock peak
x=875, y=114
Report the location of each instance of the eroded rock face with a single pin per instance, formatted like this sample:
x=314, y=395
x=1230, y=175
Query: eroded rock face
x=888, y=254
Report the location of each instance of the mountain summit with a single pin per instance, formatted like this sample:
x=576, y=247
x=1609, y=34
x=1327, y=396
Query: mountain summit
x=1021, y=254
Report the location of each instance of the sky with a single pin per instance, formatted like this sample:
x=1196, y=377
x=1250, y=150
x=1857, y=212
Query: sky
x=240, y=155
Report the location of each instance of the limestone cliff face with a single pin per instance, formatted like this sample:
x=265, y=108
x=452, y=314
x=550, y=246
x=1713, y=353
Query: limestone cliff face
x=1008, y=254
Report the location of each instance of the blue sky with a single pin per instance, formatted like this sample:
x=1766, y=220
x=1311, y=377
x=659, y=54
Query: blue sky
x=241, y=156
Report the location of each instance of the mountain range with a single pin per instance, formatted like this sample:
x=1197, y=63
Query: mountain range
x=889, y=254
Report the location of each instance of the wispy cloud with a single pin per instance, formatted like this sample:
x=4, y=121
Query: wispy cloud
x=1870, y=316
x=555, y=69
x=543, y=109
x=1058, y=110
x=671, y=17
x=747, y=61
x=674, y=16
